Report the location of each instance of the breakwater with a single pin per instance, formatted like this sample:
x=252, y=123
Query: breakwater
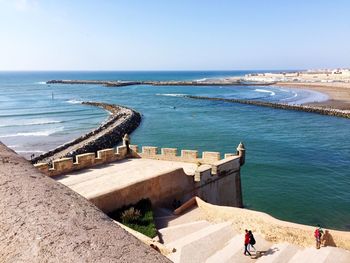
x=107, y=135
x=312, y=109
x=210, y=82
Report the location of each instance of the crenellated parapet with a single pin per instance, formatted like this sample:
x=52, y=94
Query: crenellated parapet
x=171, y=154
x=210, y=165
x=83, y=161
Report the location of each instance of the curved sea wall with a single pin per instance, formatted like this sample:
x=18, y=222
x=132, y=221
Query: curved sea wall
x=123, y=120
x=318, y=110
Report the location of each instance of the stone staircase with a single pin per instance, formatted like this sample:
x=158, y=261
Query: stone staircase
x=193, y=239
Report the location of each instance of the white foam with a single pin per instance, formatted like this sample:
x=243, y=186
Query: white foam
x=266, y=91
x=41, y=82
x=37, y=133
x=38, y=122
x=199, y=80
x=171, y=95
x=292, y=97
x=74, y=101
x=35, y=151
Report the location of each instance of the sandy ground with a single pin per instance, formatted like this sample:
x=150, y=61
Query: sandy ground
x=339, y=93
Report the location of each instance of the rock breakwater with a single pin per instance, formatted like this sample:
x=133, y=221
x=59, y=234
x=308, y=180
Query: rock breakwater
x=118, y=83
x=107, y=135
x=305, y=108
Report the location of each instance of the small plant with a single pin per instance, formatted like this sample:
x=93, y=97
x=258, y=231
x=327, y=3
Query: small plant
x=137, y=216
x=130, y=215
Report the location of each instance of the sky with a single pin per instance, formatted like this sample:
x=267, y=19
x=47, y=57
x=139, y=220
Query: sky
x=174, y=35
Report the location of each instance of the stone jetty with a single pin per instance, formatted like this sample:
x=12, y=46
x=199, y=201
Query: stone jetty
x=305, y=108
x=209, y=82
x=122, y=120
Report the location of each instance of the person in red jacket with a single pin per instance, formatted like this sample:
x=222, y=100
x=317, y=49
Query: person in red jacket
x=246, y=243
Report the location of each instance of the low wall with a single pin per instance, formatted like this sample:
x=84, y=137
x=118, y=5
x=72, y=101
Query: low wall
x=83, y=161
x=171, y=154
x=272, y=229
x=161, y=189
x=215, y=180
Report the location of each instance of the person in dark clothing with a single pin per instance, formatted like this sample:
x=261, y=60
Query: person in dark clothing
x=246, y=243
x=251, y=240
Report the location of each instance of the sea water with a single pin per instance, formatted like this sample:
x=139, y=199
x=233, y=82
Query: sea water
x=297, y=164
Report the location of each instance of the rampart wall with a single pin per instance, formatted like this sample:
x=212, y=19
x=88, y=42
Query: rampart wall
x=215, y=180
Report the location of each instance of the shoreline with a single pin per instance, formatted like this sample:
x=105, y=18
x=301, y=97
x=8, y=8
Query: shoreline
x=122, y=120
x=338, y=93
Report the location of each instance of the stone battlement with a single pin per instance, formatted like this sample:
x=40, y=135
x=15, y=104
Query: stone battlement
x=171, y=154
x=209, y=160
x=83, y=161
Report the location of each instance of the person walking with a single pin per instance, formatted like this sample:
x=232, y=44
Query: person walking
x=246, y=243
x=318, y=235
x=251, y=241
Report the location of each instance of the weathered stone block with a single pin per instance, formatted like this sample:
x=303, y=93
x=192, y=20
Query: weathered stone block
x=122, y=151
x=211, y=156
x=169, y=152
x=62, y=165
x=149, y=151
x=106, y=155
x=227, y=155
x=189, y=155
x=134, y=148
x=86, y=159
x=224, y=166
x=42, y=167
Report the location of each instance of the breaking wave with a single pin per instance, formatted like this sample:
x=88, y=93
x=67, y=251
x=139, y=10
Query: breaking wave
x=266, y=91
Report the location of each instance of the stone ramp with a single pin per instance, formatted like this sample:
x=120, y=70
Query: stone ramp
x=198, y=246
x=196, y=240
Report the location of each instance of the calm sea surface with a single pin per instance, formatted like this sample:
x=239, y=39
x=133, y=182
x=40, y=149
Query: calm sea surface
x=297, y=166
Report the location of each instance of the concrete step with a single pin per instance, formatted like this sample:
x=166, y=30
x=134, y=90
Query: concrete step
x=311, y=255
x=338, y=255
x=233, y=246
x=173, y=220
x=198, y=246
x=279, y=253
x=262, y=247
x=170, y=234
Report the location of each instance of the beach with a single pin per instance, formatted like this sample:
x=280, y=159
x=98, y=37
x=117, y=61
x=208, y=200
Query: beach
x=339, y=93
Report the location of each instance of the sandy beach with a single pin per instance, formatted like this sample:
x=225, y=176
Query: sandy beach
x=339, y=93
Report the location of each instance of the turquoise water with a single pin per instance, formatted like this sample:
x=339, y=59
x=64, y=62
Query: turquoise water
x=297, y=165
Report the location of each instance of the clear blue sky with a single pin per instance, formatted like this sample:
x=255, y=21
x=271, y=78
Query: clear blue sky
x=173, y=35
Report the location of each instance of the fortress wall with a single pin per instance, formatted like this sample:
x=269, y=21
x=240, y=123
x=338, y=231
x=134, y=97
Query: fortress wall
x=220, y=184
x=83, y=161
x=216, y=181
x=88, y=160
x=161, y=189
x=221, y=188
x=170, y=154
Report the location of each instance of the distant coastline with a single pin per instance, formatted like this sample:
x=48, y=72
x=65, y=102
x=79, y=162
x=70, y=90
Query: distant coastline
x=338, y=89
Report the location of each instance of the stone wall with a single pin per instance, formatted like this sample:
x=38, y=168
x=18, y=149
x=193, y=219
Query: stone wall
x=83, y=161
x=215, y=180
x=44, y=221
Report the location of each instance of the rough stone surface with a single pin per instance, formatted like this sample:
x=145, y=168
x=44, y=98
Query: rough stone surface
x=44, y=221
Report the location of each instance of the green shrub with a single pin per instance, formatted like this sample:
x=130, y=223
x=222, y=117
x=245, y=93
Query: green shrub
x=130, y=215
x=138, y=216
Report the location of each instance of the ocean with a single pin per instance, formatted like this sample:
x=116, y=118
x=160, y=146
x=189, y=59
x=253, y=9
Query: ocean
x=297, y=164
